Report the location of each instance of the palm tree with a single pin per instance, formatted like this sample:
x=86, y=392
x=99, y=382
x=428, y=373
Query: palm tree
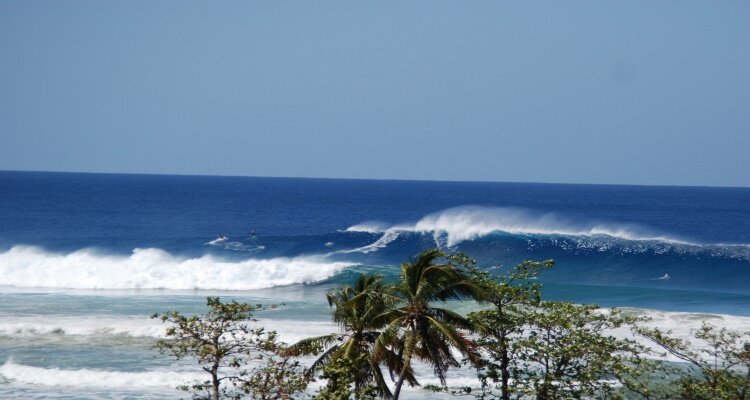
x=359, y=310
x=417, y=329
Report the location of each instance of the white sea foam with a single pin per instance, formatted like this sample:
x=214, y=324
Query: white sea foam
x=217, y=241
x=25, y=266
x=387, y=237
x=292, y=331
x=368, y=227
x=681, y=324
x=29, y=375
x=236, y=246
x=36, y=326
x=20, y=374
x=468, y=223
x=61, y=327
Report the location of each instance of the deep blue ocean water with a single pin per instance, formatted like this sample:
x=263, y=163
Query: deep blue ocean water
x=85, y=258
x=603, y=235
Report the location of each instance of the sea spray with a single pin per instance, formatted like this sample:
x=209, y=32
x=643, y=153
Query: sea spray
x=470, y=222
x=25, y=266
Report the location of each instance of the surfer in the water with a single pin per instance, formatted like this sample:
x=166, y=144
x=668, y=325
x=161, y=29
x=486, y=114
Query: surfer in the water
x=252, y=235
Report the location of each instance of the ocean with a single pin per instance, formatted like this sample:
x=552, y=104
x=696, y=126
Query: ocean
x=85, y=259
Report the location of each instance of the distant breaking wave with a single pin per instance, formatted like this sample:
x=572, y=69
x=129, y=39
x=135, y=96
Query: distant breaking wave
x=74, y=329
x=95, y=378
x=26, y=266
x=471, y=222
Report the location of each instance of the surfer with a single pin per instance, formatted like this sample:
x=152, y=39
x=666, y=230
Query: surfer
x=219, y=240
x=252, y=235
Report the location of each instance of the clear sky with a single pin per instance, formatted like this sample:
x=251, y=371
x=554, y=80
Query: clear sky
x=644, y=92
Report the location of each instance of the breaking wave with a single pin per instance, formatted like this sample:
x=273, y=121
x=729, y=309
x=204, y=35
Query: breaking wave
x=94, y=378
x=387, y=237
x=26, y=266
x=682, y=324
x=68, y=328
x=471, y=222
x=31, y=327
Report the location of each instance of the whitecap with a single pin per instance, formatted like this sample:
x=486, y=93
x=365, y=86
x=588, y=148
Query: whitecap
x=85, y=377
x=152, y=268
x=470, y=222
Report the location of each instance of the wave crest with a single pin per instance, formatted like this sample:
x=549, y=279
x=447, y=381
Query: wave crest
x=26, y=266
x=470, y=222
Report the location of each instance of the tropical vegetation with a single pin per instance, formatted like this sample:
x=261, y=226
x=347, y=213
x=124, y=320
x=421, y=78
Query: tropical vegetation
x=521, y=346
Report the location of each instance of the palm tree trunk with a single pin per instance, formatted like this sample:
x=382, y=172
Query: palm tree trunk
x=407, y=360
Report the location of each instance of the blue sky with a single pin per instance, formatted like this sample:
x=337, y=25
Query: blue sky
x=582, y=92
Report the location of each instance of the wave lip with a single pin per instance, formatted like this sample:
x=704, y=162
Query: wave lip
x=471, y=222
x=26, y=266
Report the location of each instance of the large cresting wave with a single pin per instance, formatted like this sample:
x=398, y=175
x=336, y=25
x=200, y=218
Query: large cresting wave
x=471, y=222
x=27, y=266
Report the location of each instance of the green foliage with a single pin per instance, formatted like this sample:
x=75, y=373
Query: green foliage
x=512, y=294
x=278, y=375
x=548, y=350
x=417, y=328
x=456, y=391
x=226, y=348
x=565, y=351
x=342, y=381
x=718, y=365
x=358, y=310
x=522, y=347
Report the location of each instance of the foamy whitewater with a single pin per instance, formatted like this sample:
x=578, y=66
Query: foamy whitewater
x=156, y=269
x=103, y=330
x=85, y=260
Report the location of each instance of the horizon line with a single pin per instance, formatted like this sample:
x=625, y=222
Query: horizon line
x=372, y=179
